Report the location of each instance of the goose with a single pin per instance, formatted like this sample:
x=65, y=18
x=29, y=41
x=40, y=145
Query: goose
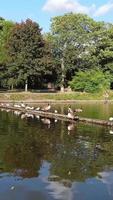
x=7, y=104
x=71, y=115
x=17, y=106
x=78, y=110
x=23, y=105
x=46, y=108
x=70, y=110
x=29, y=115
x=37, y=109
x=29, y=108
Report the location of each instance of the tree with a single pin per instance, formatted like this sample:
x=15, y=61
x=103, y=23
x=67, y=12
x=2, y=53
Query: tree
x=26, y=49
x=91, y=81
x=5, y=30
x=70, y=37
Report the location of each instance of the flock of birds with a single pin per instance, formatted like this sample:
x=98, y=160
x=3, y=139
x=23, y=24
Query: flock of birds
x=71, y=113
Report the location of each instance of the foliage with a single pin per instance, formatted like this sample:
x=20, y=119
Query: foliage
x=90, y=81
x=26, y=49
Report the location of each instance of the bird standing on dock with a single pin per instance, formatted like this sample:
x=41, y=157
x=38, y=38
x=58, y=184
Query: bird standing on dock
x=70, y=110
x=71, y=115
x=46, y=108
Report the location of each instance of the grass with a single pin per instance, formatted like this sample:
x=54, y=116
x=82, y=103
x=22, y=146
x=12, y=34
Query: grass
x=30, y=96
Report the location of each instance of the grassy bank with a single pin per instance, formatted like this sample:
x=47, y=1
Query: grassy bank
x=29, y=96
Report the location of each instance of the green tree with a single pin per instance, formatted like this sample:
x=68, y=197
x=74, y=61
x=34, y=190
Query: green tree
x=71, y=36
x=5, y=30
x=26, y=49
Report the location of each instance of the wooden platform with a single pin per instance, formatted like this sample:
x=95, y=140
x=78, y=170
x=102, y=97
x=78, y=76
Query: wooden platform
x=60, y=116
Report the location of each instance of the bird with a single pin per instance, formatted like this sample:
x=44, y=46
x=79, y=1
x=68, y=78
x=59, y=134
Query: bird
x=17, y=106
x=7, y=104
x=78, y=110
x=29, y=108
x=23, y=105
x=37, y=109
x=71, y=115
x=46, y=108
x=70, y=110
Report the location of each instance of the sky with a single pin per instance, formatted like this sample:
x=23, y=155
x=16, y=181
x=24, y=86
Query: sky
x=42, y=11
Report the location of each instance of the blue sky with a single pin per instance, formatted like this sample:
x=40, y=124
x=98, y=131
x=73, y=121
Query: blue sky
x=42, y=11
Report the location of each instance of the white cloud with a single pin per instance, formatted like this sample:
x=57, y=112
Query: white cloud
x=67, y=6
x=104, y=9
x=75, y=6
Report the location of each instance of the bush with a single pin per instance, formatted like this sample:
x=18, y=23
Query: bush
x=90, y=81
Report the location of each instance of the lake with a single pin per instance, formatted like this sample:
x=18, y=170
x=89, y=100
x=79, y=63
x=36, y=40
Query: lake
x=55, y=160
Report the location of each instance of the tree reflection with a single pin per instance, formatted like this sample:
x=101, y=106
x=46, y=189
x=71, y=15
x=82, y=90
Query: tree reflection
x=24, y=144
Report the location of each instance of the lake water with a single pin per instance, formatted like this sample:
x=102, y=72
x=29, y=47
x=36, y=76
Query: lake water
x=56, y=160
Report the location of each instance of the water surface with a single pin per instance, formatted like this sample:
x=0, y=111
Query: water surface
x=41, y=161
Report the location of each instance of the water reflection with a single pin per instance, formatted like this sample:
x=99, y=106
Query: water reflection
x=62, y=161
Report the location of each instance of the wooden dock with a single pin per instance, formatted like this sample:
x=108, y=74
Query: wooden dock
x=59, y=116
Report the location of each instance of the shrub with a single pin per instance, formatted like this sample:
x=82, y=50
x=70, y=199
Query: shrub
x=90, y=81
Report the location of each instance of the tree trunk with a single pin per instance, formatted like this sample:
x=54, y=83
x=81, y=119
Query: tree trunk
x=62, y=81
x=26, y=85
x=12, y=87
